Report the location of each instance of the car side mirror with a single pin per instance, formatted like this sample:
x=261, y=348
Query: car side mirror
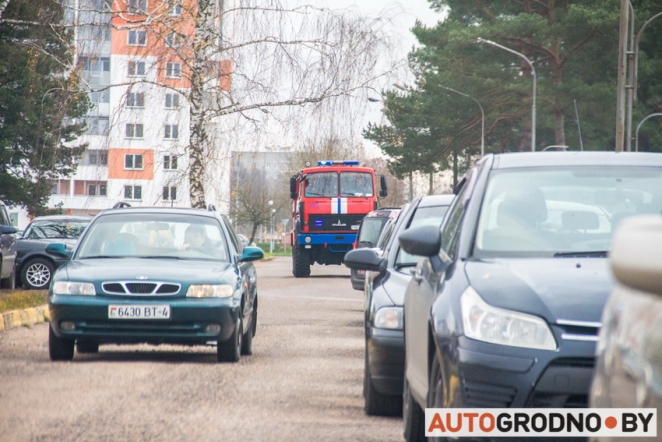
x=421, y=241
x=58, y=249
x=6, y=230
x=251, y=254
x=382, y=182
x=365, y=259
x=636, y=253
x=293, y=188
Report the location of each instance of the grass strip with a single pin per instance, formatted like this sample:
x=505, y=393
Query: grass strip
x=20, y=299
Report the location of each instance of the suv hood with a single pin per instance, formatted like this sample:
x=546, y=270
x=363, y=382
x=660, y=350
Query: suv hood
x=166, y=270
x=554, y=288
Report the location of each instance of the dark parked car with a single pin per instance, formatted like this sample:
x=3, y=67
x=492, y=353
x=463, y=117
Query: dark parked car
x=35, y=266
x=155, y=275
x=628, y=370
x=505, y=309
x=387, y=277
x=7, y=250
x=371, y=228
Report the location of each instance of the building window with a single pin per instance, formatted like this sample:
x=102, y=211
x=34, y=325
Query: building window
x=60, y=187
x=100, y=97
x=171, y=132
x=173, y=70
x=137, y=38
x=133, y=192
x=169, y=162
x=175, y=8
x=96, y=158
x=137, y=6
x=134, y=130
x=170, y=193
x=136, y=68
x=97, y=125
x=135, y=99
x=174, y=40
x=95, y=65
x=133, y=162
x=172, y=101
x=96, y=189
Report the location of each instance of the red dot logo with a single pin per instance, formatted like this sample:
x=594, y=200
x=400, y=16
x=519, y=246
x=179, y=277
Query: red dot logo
x=611, y=422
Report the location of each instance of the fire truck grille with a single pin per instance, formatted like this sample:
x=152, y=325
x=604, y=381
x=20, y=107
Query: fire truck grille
x=317, y=223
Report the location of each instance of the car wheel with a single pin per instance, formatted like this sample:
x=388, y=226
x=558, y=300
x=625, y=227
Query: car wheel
x=230, y=350
x=10, y=282
x=36, y=274
x=247, y=343
x=436, y=391
x=413, y=417
x=300, y=262
x=59, y=349
x=87, y=347
x=377, y=404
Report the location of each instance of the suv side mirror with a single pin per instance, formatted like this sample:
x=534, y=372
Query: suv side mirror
x=6, y=230
x=293, y=188
x=382, y=182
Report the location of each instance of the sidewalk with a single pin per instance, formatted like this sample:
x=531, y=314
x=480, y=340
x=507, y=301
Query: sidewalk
x=27, y=317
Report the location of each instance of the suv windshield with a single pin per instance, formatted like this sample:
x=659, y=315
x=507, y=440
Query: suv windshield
x=61, y=229
x=562, y=211
x=424, y=216
x=154, y=235
x=371, y=227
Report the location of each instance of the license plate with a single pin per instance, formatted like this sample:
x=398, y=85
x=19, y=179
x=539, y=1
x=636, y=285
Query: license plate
x=139, y=311
x=355, y=227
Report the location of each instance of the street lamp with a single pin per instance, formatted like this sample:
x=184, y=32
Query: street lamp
x=636, y=137
x=482, y=114
x=271, y=218
x=533, y=72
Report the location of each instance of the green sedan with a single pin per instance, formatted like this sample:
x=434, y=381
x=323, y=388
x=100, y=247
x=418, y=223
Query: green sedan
x=155, y=275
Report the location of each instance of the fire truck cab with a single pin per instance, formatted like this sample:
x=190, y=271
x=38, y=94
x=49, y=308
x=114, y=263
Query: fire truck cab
x=329, y=202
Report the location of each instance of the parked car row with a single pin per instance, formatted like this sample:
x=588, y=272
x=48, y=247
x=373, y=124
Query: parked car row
x=505, y=306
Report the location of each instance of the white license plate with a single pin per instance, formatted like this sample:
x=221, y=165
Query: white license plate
x=355, y=227
x=139, y=311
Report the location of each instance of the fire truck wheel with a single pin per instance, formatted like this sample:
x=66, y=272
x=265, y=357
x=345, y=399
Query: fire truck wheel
x=300, y=263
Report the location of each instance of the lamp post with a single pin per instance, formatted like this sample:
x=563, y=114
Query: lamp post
x=533, y=72
x=271, y=219
x=482, y=115
x=636, y=137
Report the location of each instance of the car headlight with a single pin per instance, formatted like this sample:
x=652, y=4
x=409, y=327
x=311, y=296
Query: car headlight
x=73, y=288
x=389, y=317
x=209, y=291
x=484, y=322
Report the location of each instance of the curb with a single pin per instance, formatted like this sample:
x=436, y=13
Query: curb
x=26, y=317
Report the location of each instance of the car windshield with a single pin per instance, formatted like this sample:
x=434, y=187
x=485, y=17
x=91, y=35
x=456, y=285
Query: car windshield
x=371, y=227
x=154, y=235
x=323, y=184
x=424, y=216
x=355, y=184
x=60, y=229
x=567, y=211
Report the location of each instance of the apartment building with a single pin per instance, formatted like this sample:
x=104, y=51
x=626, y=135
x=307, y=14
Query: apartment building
x=137, y=79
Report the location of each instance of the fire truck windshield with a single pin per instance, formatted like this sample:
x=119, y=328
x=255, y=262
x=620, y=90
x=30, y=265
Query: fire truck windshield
x=355, y=184
x=323, y=184
x=352, y=184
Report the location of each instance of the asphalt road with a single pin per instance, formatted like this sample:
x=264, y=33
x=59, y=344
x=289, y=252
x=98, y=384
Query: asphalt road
x=302, y=383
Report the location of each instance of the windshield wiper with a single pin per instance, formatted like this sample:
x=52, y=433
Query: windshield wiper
x=593, y=254
x=104, y=256
x=159, y=257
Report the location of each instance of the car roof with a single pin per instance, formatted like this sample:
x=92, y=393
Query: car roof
x=63, y=218
x=160, y=210
x=384, y=212
x=575, y=158
x=436, y=200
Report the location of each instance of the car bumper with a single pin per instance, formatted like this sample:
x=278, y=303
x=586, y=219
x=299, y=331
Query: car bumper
x=187, y=324
x=386, y=359
x=492, y=376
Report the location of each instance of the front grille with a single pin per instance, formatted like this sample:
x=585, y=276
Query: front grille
x=145, y=328
x=579, y=330
x=553, y=400
x=573, y=362
x=318, y=223
x=140, y=288
x=482, y=395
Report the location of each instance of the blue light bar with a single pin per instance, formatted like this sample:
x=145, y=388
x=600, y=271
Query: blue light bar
x=332, y=163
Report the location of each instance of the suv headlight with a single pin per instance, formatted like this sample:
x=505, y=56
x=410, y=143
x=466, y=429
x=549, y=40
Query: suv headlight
x=209, y=291
x=389, y=317
x=73, y=288
x=484, y=322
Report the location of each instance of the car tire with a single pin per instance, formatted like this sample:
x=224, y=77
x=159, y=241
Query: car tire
x=9, y=283
x=59, y=349
x=300, y=262
x=247, y=342
x=436, y=391
x=87, y=347
x=36, y=274
x=375, y=403
x=230, y=350
x=412, y=416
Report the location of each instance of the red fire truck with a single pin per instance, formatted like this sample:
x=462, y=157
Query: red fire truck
x=328, y=203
